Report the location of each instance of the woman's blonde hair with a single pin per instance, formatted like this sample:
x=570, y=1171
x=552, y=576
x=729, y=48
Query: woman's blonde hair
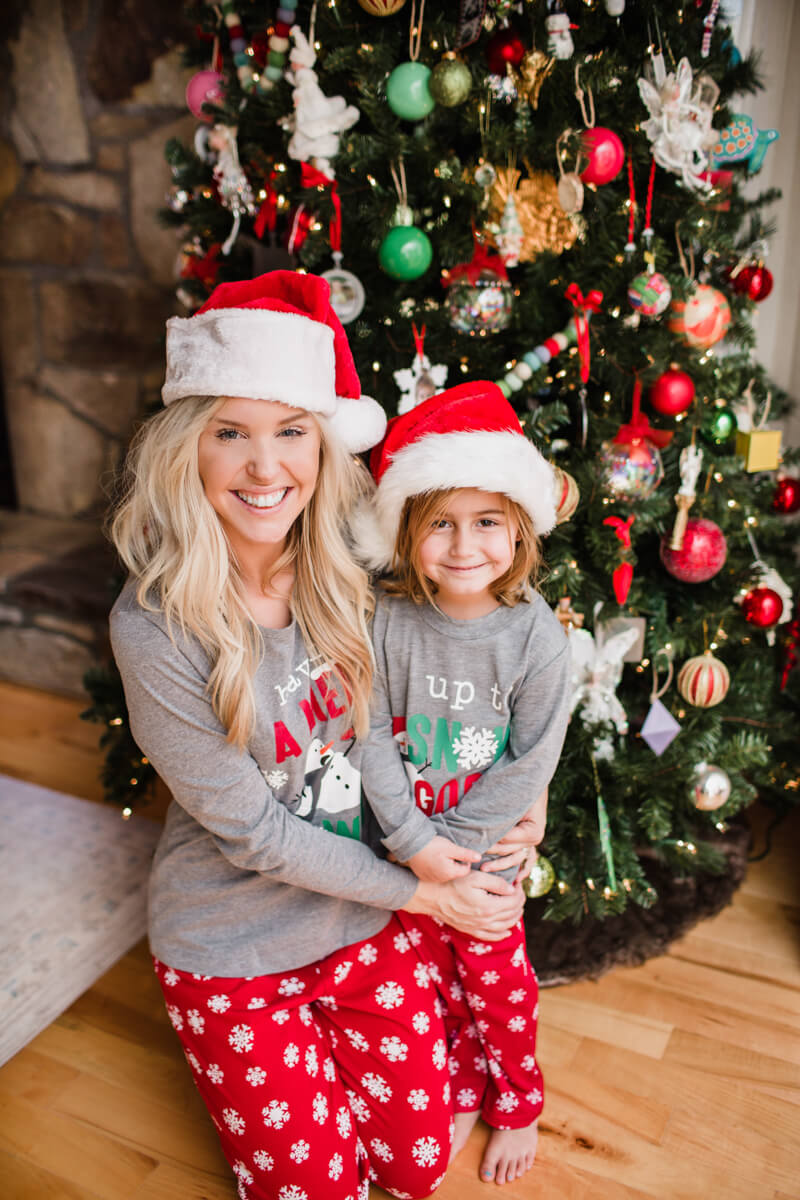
x=420, y=513
x=171, y=540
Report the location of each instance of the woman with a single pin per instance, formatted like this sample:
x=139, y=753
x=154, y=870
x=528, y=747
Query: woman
x=310, y=1026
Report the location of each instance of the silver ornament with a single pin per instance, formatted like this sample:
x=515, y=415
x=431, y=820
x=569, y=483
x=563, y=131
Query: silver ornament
x=711, y=788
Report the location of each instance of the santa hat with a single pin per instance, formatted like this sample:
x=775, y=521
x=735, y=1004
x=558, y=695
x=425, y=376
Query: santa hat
x=273, y=338
x=468, y=436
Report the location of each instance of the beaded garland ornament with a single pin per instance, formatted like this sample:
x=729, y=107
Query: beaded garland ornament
x=251, y=80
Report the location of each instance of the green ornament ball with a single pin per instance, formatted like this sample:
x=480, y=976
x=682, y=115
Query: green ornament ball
x=450, y=82
x=719, y=425
x=539, y=879
x=407, y=91
x=405, y=252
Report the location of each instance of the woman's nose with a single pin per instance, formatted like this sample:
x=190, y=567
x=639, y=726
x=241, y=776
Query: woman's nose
x=262, y=463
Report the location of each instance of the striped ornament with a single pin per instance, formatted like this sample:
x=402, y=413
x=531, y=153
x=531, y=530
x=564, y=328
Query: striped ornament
x=704, y=681
x=567, y=495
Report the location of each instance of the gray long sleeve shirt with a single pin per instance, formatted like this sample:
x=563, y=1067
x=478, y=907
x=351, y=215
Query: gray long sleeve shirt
x=252, y=874
x=468, y=721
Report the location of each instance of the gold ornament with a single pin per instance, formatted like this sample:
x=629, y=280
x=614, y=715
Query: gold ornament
x=567, y=616
x=544, y=224
x=533, y=70
x=381, y=8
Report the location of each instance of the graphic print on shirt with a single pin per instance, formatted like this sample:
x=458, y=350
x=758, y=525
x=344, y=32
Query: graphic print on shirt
x=331, y=792
x=438, y=744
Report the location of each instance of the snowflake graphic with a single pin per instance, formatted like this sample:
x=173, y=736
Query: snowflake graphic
x=475, y=748
x=241, y=1038
x=479, y=948
x=357, y=1039
x=480, y=1064
x=381, y=1150
x=291, y=1055
x=171, y=977
x=255, y=1076
x=528, y=1063
x=489, y=977
x=218, y=1004
x=312, y=1062
x=342, y=971
x=426, y=1151
x=418, y=1099
x=401, y=943
x=476, y=1002
x=291, y=987
x=194, y=1061
x=305, y=1014
x=421, y=1022
x=456, y=990
x=517, y=996
x=276, y=1114
x=300, y=1151
x=494, y=1068
x=507, y=1102
x=390, y=994
x=329, y=1070
x=335, y=1166
x=196, y=1022
x=292, y=1191
x=534, y=1097
x=517, y=1024
x=242, y=1173
x=233, y=1120
x=215, y=1073
x=394, y=1049
x=257, y=1002
x=359, y=1106
x=422, y=975
x=264, y=1161
x=319, y=1107
x=275, y=779
x=439, y=1055
x=467, y=1100
x=414, y=936
x=367, y=954
x=280, y=1017
x=377, y=1086
x=328, y=1002
x=343, y=1123
x=174, y=1014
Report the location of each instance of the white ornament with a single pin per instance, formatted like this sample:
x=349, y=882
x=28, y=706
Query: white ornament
x=681, y=110
x=234, y=188
x=615, y=8
x=318, y=120
x=508, y=235
x=559, y=38
x=419, y=382
x=596, y=672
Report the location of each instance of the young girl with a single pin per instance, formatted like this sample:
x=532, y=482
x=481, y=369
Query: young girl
x=471, y=704
x=311, y=1032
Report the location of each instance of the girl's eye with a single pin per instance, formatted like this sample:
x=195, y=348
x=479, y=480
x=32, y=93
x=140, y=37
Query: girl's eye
x=487, y=523
x=442, y=524
x=227, y=435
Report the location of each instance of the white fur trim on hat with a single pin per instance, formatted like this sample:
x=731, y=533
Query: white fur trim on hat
x=263, y=354
x=502, y=462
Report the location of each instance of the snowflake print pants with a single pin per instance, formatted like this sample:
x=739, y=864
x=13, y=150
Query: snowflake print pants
x=492, y=999
x=323, y=1077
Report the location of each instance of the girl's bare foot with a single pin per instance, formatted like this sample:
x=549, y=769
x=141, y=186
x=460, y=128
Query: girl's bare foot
x=464, y=1123
x=509, y=1154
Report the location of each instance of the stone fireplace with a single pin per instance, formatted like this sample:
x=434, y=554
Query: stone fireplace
x=92, y=91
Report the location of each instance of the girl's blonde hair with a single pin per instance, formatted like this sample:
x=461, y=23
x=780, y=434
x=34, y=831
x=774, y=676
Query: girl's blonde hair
x=420, y=513
x=170, y=539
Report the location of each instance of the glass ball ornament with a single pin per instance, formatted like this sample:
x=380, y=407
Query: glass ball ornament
x=567, y=495
x=505, y=47
x=719, y=424
x=405, y=253
x=711, y=787
x=381, y=8
x=540, y=878
x=450, y=82
x=205, y=87
x=703, y=681
x=702, y=554
x=753, y=281
x=703, y=319
x=630, y=470
x=672, y=393
x=649, y=293
x=407, y=91
x=762, y=607
x=787, y=495
x=605, y=152
x=482, y=306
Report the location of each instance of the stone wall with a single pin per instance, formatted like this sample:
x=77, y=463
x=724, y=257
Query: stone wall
x=90, y=90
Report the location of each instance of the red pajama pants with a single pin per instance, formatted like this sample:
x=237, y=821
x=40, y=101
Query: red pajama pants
x=492, y=999
x=324, y=1076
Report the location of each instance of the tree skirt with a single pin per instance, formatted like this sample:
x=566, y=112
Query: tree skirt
x=562, y=952
x=73, y=879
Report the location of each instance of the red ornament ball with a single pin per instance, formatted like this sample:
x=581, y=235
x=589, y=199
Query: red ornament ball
x=753, y=281
x=606, y=155
x=787, y=495
x=762, y=607
x=702, y=555
x=505, y=47
x=672, y=392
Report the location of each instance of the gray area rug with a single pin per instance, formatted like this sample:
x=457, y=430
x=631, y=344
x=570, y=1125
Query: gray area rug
x=73, y=878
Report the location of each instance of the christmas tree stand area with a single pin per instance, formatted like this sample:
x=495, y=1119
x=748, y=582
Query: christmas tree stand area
x=562, y=951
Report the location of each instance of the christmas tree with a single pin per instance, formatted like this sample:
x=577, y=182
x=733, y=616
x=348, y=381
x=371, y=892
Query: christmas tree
x=552, y=197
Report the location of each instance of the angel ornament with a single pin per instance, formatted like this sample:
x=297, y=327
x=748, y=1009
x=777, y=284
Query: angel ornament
x=318, y=120
x=234, y=187
x=596, y=673
x=679, y=129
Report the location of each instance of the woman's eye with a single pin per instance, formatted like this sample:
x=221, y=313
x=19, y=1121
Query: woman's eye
x=227, y=435
x=292, y=431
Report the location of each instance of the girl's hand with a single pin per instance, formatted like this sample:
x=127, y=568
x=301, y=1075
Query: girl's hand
x=442, y=860
x=513, y=849
x=478, y=904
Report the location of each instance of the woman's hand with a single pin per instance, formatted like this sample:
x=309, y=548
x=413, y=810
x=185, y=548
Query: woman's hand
x=513, y=849
x=482, y=905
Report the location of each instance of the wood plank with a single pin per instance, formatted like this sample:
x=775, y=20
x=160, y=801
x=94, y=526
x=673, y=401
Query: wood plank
x=578, y=1012
x=732, y=1062
x=24, y=1180
x=172, y=1182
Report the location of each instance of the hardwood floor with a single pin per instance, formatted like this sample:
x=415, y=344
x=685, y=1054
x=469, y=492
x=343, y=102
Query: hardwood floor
x=677, y=1080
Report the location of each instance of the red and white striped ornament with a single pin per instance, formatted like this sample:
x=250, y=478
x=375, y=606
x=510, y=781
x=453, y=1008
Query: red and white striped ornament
x=567, y=495
x=704, y=681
